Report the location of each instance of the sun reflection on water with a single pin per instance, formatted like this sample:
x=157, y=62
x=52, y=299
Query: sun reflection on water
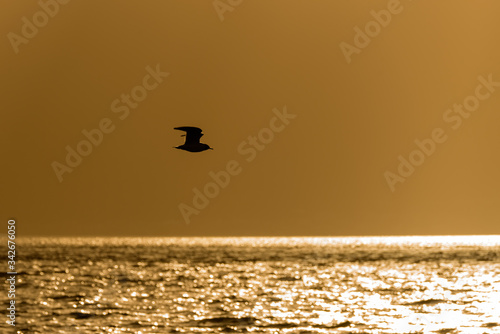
x=262, y=285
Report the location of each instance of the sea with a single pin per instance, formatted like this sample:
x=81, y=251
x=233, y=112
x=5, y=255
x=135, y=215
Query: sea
x=299, y=285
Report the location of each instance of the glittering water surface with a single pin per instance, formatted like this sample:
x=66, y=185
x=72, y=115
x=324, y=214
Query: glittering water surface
x=258, y=285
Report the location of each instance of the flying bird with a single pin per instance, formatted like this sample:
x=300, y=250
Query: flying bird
x=192, y=144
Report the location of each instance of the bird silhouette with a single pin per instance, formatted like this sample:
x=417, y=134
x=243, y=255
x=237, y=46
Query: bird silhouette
x=192, y=143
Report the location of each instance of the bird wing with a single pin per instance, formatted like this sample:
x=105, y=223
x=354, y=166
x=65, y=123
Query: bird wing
x=193, y=134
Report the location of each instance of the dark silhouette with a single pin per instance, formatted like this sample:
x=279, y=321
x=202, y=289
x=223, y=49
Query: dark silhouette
x=192, y=144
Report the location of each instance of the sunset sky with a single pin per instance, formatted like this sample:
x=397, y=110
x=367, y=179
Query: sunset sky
x=341, y=92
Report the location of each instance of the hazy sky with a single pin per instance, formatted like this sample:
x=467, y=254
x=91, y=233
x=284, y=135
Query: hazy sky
x=357, y=93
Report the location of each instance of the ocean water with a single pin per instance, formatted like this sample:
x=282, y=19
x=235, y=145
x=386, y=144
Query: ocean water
x=257, y=285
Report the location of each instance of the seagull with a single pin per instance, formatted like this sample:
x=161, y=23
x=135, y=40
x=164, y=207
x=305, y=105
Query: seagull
x=192, y=144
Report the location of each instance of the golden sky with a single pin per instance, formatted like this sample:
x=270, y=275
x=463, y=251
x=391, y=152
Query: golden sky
x=341, y=98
